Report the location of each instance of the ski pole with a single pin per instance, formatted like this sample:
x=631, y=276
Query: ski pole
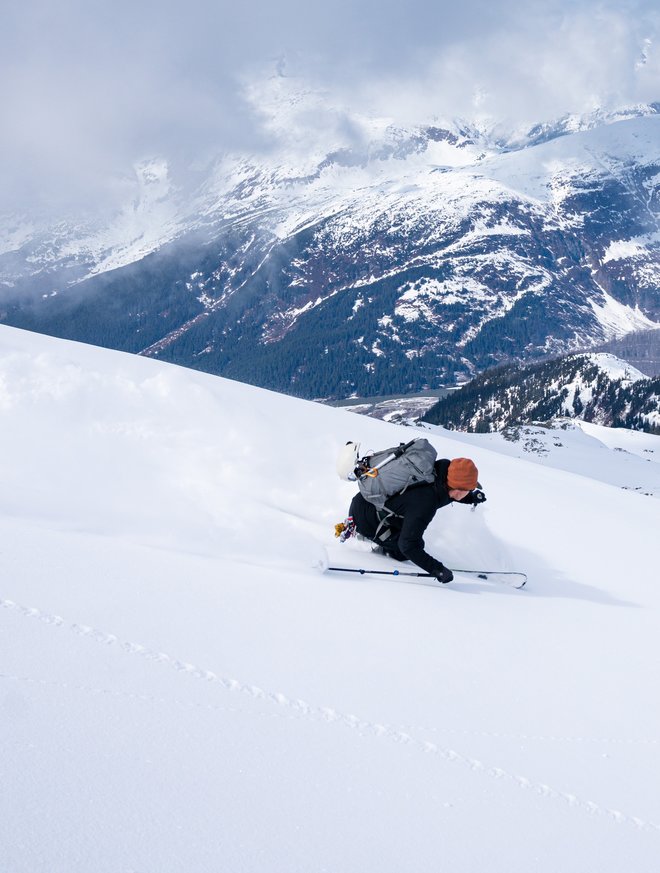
x=379, y=572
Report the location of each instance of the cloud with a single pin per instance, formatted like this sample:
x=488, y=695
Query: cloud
x=521, y=67
x=89, y=88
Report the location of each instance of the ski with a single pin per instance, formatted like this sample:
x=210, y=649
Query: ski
x=514, y=578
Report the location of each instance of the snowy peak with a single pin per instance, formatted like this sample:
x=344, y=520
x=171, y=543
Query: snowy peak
x=572, y=123
x=324, y=168
x=614, y=368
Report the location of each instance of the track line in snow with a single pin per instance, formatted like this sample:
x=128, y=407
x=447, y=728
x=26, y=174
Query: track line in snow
x=332, y=716
x=141, y=698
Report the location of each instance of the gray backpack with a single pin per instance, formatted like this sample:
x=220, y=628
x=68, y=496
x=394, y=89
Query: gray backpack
x=391, y=471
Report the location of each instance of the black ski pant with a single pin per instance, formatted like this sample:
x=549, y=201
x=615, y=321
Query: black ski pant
x=379, y=526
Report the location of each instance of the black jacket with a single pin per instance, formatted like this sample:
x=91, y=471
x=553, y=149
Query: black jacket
x=413, y=510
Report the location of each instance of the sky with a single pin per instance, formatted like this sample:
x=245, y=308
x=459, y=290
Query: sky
x=89, y=88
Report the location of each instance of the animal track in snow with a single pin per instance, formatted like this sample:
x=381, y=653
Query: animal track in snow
x=327, y=714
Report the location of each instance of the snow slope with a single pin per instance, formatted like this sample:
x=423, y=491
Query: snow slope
x=181, y=692
x=624, y=458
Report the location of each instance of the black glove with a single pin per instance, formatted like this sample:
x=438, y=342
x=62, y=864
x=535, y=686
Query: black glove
x=442, y=574
x=478, y=497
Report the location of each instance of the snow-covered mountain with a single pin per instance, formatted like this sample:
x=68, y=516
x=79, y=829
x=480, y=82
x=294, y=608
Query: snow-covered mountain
x=366, y=258
x=181, y=691
x=595, y=387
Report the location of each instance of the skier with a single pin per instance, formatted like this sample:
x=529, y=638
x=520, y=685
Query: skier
x=399, y=529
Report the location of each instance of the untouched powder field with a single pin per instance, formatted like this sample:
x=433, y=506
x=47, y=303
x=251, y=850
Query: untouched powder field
x=181, y=692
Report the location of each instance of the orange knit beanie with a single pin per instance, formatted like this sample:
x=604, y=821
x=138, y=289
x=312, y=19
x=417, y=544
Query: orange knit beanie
x=462, y=475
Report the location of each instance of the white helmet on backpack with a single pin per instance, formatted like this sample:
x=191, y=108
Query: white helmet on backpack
x=347, y=461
